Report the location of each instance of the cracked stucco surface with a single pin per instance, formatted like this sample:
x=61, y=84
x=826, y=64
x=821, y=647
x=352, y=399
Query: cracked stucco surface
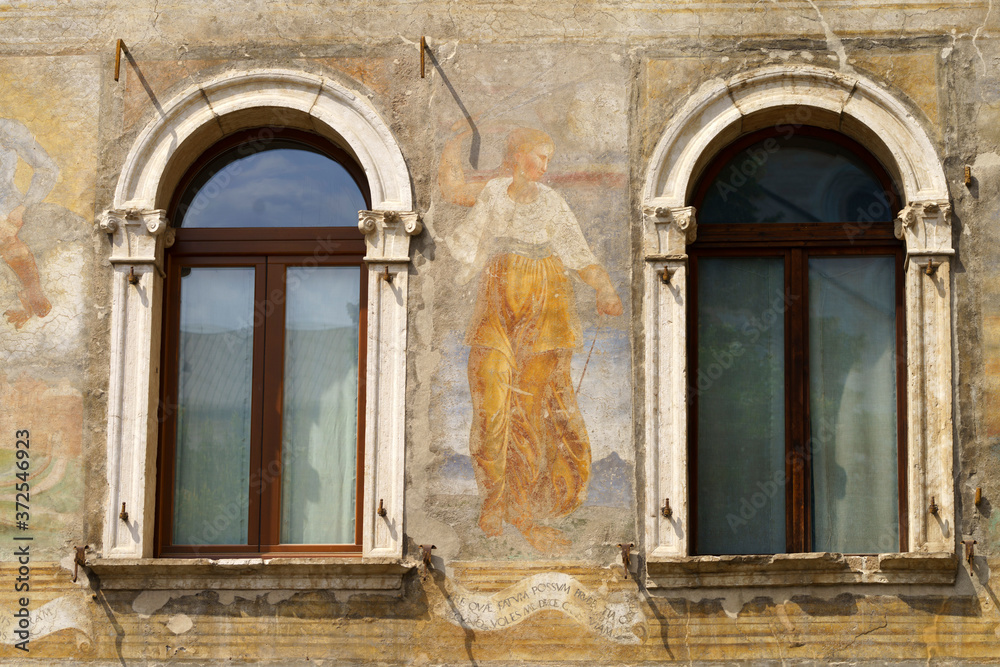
x=941, y=59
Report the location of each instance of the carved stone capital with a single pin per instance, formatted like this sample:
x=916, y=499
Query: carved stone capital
x=111, y=221
x=138, y=236
x=387, y=234
x=669, y=230
x=925, y=226
x=155, y=220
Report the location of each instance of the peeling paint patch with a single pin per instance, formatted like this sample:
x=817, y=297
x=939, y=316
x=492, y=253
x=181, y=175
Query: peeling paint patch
x=273, y=597
x=179, y=624
x=150, y=602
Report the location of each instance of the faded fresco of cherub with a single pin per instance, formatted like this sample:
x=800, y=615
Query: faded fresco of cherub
x=529, y=445
x=17, y=142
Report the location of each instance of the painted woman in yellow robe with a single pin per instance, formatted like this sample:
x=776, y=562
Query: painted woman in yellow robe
x=529, y=445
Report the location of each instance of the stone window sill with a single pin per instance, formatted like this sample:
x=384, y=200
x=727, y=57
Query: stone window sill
x=346, y=574
x=806, y=569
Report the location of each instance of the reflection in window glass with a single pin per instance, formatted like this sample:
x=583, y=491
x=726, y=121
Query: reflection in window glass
x=795, y=179
x=214, y=375
x=320, y=406
x=286, y=184
x=741, y=405
x=852, y=399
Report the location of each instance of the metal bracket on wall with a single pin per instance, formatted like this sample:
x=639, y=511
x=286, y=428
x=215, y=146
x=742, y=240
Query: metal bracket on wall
x=626, y=556
x=970, y=547
x=423, y=47
x=118, y=57
x=381, y=511
x=666, y=274
x=123, y=515
x=665, y=510
x=933, y=509
x=425, y=557
x=80, y=559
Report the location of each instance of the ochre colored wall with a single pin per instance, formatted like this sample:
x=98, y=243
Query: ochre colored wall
x=602, y=80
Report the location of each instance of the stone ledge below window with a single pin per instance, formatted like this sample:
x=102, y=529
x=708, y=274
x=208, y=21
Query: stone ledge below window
x=806, y=569
x=346, y=574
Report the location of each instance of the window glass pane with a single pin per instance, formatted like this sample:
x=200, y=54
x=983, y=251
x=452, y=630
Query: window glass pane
x=795, y=179
x=214, y=375
x=852, y=385
x=741, y=405
x=284, y=184
x=320, y=418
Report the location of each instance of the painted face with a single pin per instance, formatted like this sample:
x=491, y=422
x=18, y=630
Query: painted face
x=535, y=162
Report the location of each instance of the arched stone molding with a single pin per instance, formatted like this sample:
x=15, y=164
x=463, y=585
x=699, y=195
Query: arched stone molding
x=718, y=113
x=207, y=111
x=139, y=232
x=722, y=110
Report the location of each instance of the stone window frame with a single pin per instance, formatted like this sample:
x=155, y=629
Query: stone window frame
x=716, y=114
x=139, y=232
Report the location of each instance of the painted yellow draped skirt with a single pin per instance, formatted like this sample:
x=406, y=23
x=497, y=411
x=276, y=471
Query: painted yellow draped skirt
x=529, y=445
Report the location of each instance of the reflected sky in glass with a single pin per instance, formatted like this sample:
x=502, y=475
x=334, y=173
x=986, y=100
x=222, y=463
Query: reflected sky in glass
x=796, y=179
x=322, y=297
x=216, y=299
x=286, y=185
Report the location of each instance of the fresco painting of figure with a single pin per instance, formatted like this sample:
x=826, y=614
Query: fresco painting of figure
x=16, y=142
x=529, y=445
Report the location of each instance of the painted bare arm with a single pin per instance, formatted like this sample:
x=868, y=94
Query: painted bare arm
x=451, y=175
x=608, y=302
x=44, y=171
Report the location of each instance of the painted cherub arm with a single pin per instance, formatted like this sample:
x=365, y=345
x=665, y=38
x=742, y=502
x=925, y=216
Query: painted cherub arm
x=44, y=171
x=608, y=302
x=451, y=175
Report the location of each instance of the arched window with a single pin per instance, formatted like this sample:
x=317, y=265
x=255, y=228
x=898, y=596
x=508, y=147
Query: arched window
x=796, y=340
x=261, y=448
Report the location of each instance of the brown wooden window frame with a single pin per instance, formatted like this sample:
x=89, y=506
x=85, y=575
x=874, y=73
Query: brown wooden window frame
x=270, y=250
x=796, y=242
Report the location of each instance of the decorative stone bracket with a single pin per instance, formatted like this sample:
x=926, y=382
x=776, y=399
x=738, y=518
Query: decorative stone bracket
x=387, y=235
x=669, y=231
x=925, y=226
x=138, y=236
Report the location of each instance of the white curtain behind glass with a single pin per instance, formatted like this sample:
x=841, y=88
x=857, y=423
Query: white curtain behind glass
x=320, y=414
x=852, y=350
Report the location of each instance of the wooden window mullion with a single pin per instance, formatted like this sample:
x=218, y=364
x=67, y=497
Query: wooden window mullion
x=797, y=360
x=257, y=401
x=271, y=412
x=805, y=416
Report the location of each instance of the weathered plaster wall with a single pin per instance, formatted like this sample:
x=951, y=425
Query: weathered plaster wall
x=602, y=79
